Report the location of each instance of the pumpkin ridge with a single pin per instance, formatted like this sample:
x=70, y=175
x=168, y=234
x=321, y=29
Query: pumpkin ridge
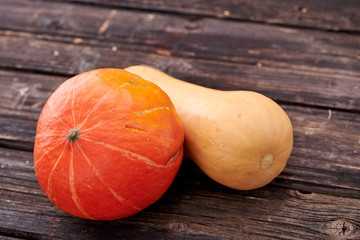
x=66, y=126
x=98, y=124
x=129, y=154
x=49, y=150
x=49, y=186
x=73, y=108
x=49, y=135
x=99, y=175
x=74, y=195
x=95, y=107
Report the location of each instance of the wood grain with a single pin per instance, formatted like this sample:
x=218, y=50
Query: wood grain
x=332, y=15
x=326, y=87
x=188, y=210
x=302, y=66
x=207, y=38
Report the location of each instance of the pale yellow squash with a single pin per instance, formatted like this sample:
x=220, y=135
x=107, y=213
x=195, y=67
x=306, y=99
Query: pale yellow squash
x=241, y=139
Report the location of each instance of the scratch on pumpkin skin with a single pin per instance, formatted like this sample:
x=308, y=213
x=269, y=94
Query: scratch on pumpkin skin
x=95, y=107
x=49, y=150
x=129, y=83
x=49, y=187
x=99, y=124
x=143, y=112
x=129, y=154
x=74, y=195
x=99, y=175
x=174, y=156
x=134, y=129
x=133, y=83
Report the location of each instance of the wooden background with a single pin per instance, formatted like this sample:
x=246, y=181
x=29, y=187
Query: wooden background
x=304, y=54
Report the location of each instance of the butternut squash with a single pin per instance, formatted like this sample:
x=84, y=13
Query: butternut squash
x=240, y=139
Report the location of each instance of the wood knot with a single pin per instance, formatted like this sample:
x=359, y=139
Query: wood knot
x=192, y=25
x=178, y=226
x=301, y=9
x=303, y=194
x=341, y=227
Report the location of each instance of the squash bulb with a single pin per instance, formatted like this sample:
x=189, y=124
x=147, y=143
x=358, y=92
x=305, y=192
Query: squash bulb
x=240, y=139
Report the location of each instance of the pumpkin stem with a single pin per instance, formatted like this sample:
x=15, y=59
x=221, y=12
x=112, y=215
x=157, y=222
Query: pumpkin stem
x=73, y=134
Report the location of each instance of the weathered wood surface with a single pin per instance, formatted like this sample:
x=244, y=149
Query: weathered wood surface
x=193, y=208
x=288, y=50
x=248, y=56
x=331, y=14
x=325, y=86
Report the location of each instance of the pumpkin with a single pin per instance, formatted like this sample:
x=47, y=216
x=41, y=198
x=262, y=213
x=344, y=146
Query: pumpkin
x=108, y=144
x=241, y=139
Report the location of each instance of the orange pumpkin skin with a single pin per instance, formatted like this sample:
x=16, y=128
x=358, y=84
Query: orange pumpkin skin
x=108, y=144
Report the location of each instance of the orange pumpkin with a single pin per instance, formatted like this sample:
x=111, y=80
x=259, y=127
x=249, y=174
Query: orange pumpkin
x=108, y=144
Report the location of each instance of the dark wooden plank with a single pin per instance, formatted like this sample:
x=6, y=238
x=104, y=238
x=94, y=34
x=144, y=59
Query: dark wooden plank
x=320, y=158
x=22, y=196
x=22, y=97
x=247, y=43
x=310, y=85
x=9, y=238
x=326, y=142
x=193, y=208
x=23, y=94
x=17, y=133
x=332, y=14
